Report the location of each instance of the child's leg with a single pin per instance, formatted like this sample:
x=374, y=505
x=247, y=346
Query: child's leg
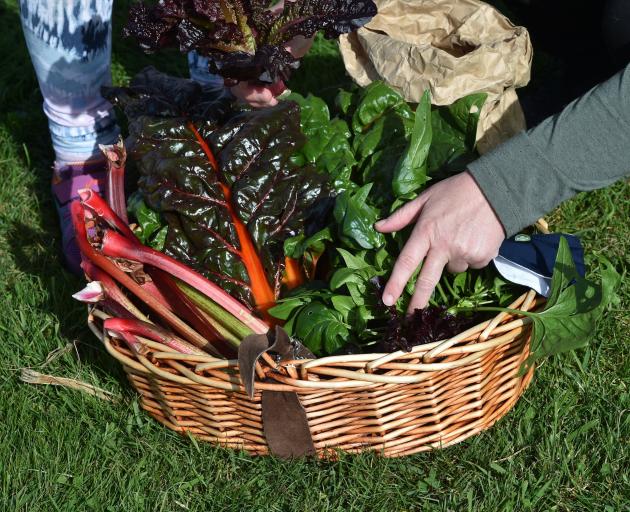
x=69, y=42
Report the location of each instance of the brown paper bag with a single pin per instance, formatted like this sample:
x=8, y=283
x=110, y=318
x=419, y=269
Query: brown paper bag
x=452, y=47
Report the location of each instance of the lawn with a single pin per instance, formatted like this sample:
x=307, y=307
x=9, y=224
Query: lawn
x=563, y=447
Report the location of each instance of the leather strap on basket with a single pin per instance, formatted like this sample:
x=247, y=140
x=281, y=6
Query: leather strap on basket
x=285, y=425
x=284, y=419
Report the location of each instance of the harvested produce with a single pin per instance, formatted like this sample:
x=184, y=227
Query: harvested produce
x=245, y=219
x=382, y=155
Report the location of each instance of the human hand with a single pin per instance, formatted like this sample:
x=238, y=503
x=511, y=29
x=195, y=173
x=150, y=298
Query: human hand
x=259, y=96
x=455, y=227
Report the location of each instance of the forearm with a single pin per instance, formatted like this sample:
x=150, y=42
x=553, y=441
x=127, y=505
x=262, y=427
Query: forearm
x=585, y=147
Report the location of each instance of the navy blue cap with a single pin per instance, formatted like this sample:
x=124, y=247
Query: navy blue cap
x=529, y=259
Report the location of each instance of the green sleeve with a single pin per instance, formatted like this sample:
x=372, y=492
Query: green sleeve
x=584, y=147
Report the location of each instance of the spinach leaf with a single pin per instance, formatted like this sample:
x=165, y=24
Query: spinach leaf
x=575, y=304
x=410, y=172
x=327, y=141
x=374, y=100
x=355, y=220
x=454, y=130
x=150, y=228
x=321, y=328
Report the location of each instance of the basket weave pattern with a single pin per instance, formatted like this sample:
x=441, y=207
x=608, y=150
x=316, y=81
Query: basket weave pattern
x=396, y=404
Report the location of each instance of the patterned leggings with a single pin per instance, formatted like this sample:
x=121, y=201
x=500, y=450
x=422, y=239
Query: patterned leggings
x=69, y=42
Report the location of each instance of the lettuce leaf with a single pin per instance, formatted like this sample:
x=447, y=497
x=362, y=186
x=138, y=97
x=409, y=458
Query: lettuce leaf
x=245, y=39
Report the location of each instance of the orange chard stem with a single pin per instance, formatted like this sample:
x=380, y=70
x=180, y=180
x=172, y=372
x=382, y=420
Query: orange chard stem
x=261, y=290
x=293, y=276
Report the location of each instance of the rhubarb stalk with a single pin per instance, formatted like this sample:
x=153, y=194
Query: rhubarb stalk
x=223, y=340
x=111, y=291
x=77, y=212
x=116, y=157
x=117, y=246
x=152, y=332
x=96, y=204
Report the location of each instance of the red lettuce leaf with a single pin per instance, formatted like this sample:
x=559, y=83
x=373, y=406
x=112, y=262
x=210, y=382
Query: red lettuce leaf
x=244, y=39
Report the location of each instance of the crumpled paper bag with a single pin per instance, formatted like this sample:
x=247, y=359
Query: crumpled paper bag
x=452, y=47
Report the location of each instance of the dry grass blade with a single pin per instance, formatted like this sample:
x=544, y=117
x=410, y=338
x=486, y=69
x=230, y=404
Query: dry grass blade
x=32, y=377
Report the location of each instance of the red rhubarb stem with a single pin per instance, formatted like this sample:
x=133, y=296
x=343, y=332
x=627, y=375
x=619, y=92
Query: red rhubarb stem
x=78, y=220
x=116, y=157
x=260, y=287
x=112, y=291
x=102, y=210
x=152, y=332
x=186, y=308
x=117, y=246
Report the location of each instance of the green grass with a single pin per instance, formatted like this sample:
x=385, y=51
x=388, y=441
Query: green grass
x=563, y=447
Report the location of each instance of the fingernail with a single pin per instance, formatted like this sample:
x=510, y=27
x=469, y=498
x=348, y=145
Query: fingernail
x=378, y=224
x=388, y=300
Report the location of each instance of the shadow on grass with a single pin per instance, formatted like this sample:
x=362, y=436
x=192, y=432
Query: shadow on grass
x=35, y=255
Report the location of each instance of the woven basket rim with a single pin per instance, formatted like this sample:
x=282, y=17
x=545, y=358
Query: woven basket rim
x=331, y=372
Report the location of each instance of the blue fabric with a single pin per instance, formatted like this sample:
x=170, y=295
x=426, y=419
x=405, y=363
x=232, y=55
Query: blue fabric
x=538, y=252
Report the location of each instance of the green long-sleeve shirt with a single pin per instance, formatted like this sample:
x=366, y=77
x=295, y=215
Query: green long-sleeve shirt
x=584, y=147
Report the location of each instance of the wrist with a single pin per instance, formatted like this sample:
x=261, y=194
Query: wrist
x=484, y=194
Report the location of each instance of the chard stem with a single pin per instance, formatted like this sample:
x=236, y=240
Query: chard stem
x=226, y=320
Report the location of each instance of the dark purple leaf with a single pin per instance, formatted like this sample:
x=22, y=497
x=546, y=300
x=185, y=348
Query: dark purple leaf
x=245, y=38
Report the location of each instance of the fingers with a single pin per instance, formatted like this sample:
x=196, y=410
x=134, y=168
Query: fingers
x=403, y=216
x=406, y=264
x=428, y=278
x=256, y=95
x=299, y=46
x=457, y=266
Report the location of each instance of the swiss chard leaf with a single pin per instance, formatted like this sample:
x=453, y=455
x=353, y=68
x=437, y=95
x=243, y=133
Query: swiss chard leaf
x=156, y=94
x=245, y=39
x=230, y=194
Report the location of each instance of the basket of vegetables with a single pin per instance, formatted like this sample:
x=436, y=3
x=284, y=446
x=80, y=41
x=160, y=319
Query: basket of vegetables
x=238, y=280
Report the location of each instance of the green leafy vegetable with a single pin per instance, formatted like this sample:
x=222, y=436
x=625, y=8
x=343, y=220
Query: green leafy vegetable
x=228, y=191
x=376, y=157
x=575, y=304
x=150, y=228
x=327, y=141
x=454, y=131
x=410, y=172
x=355, y=219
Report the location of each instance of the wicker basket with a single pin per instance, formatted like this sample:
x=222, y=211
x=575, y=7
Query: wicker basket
x=395, y=404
